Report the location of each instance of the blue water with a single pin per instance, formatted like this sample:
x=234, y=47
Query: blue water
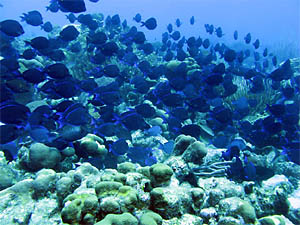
x=275, y=22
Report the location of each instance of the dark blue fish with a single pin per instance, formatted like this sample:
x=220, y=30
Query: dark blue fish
x=88, y=85
x=144, y=66
x=192, y=20
x=168, y=56
x=124, y=24
x=57, y=71
x=180, y=113
x=172, y=100
x=141, y=85
x=119, y=147
x=56, y=55
x=229, y=55
x=178, y=22
x=137, y=18
x=257, y=84
x=247, y=38
x=219, y=32
x=76, y=114
x=130, y=58
x=175, y=35
x=193, y=130
x=39, y=43
x=181, y=43
x=150, y=23
x=133, y=121
x=231, y=152
x=47, y=27
x=13, y=113
x=181, y=55
x=111, y=70
x=42, y=134
x=18, y=85
x=145, y=110
x=288, y=92
x=266, y=63
x=222, y=114
x=8, y=133
x=256, y=44
x=66, y=88
x=11, y=28
x=214, y=79
x=154, y=131
x=236, y=169
x=34, y=76
x=62, y=106
x=206, y=43
x=69, y=33
x=191, y=41
x=265, y=53
x=75, y=6
x=33, y=18
x=167, y=147
x=235, y=35
x=71, y=133
x=53, y=7
x=141, y=155
x=284, y=72
x=209, y=28
x=249, y=171
x=147, y=48
x=292, y=150
x=276, y=110
x=98, y=58
x=71, y=17
x=107, y=98
x=170, y=28
x=107, y=129
x=9, y=64
x=115, y=20
x=198, y=103
x=85, y=19
x=256, y=56
x=109, y=48
x=271, y=126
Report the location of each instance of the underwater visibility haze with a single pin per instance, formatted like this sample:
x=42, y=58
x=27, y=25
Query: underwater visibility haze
x=149, y=112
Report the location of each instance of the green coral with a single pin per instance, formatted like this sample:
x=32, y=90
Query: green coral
x=119, y=219
x=79, y=208
x=195, y=152
x=272, y=220
x=160, y=175
x=92, y=145
x=151, y=218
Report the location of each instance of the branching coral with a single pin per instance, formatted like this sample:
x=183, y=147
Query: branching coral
x=214, y=169
x=268, y=96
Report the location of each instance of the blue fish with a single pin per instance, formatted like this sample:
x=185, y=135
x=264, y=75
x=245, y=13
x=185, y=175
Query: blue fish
x=75, y=6
x=33, y=18
x=247, y=38
x=137, y=18
x=14, y=113
x=119, y=147
x=235, y=35
x=178, y=22
x=150, y=23
x=192, y=20
x=170, y=28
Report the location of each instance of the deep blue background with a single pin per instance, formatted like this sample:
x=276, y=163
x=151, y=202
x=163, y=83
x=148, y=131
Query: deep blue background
x=275, y=22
